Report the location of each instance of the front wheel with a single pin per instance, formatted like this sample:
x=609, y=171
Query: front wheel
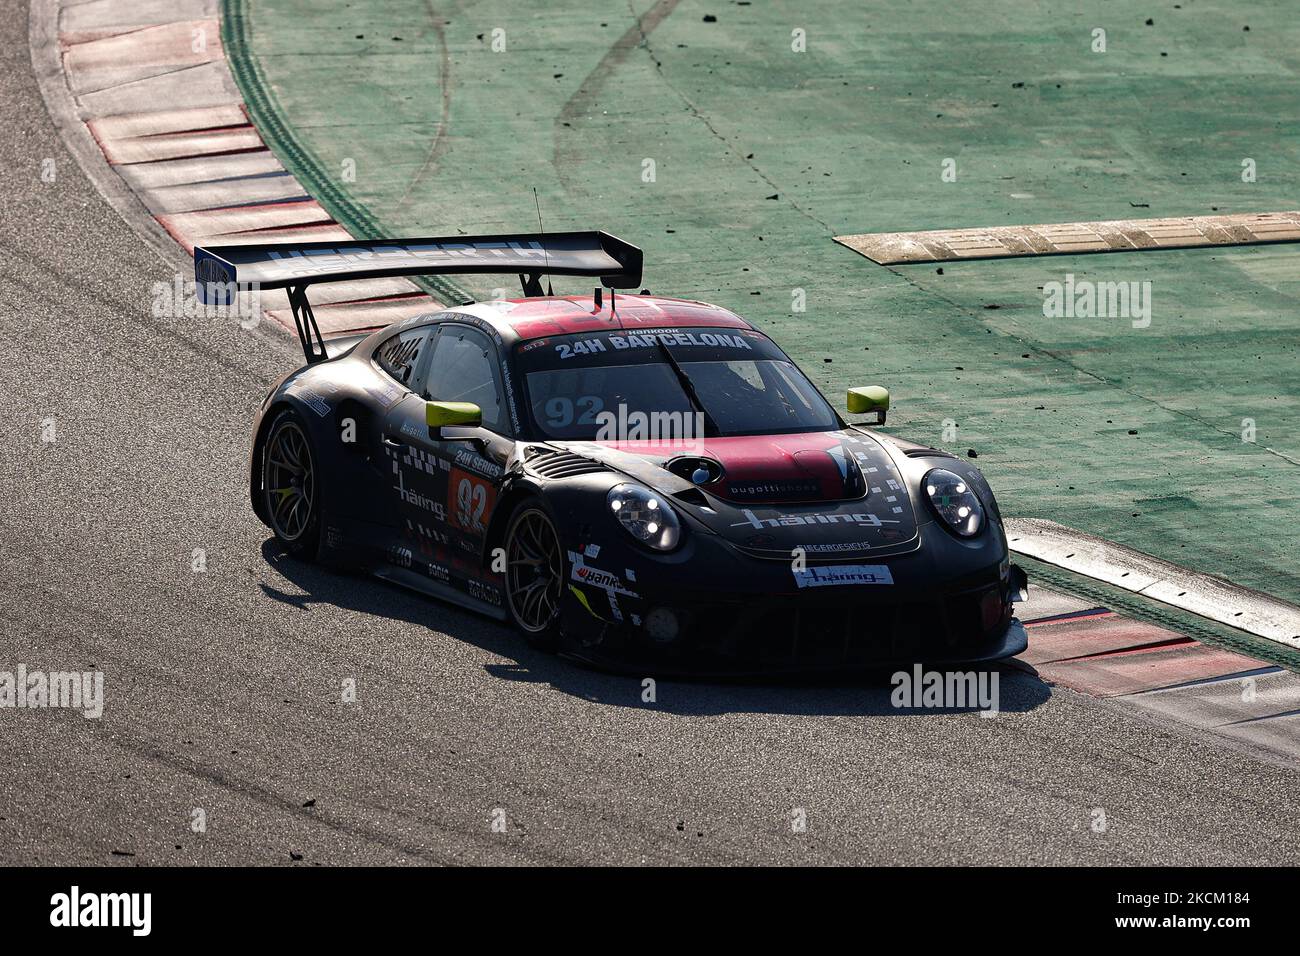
x=534, y=574
x=291, y=487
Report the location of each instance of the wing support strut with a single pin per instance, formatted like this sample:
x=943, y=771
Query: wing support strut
x=313, y=343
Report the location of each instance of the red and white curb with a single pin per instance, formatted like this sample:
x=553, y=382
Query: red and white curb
x=142, y=88
x=1201, y=594
x=1097, y=652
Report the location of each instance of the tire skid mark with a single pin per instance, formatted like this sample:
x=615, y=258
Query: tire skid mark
x=580, y=104
x=439, y=145
x=583, y=101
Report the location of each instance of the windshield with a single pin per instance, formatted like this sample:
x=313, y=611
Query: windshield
x=621, y=385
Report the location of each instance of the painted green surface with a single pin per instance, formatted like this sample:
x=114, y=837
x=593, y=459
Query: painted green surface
x=850, y=136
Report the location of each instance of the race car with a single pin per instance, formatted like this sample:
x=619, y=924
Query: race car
x=630, y=479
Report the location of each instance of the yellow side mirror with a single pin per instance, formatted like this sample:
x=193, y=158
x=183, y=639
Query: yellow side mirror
x=867, y=399
x=440, y=415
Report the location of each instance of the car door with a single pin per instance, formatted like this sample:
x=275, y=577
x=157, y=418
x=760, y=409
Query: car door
x=447, y=489
x=403, y=357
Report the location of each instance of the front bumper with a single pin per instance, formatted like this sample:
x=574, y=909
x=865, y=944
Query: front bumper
x=715, y=610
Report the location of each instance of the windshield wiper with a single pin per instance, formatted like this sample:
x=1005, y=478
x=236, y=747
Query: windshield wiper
x=710, y=426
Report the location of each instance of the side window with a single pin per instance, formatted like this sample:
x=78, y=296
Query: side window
x=464, y=369
x=400, y=355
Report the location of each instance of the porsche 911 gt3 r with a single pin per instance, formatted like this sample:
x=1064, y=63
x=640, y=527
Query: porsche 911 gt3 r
x=630, y=479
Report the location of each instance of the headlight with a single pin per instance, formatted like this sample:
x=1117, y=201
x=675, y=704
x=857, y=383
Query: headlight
x=954, y=501
x=645, y=515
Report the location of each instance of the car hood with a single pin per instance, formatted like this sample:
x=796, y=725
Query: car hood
x=835, y=494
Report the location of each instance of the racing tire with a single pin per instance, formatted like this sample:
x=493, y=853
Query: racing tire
x=534, y=574
x=291, y=486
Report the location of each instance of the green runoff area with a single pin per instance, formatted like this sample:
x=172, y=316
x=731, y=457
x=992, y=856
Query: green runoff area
x=762, y=153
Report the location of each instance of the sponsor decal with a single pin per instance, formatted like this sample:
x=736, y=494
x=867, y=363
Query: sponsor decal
x=427, y=535
x=601, y=579
x=470, y=501
x=480, y=323
x=508, y=382
x=859, y=518
x=578, y=593
x=294, y=262
x=834, y=575
x=567, y=350
x=417, y=500
x=211, y=271
x=673, y=337
x=790, y=489
x=312, y=395
x=483, y=591
x=651, y=339
x=471, y=460
x=607, y=581
x=381, y=392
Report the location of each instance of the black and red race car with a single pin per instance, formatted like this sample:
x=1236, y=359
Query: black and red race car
x=631, y=479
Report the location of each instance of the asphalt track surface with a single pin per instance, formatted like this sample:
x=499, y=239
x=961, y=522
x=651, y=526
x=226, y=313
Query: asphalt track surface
x=223, y=687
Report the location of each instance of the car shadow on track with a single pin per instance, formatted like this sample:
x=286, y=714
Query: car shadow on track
x=863, y=694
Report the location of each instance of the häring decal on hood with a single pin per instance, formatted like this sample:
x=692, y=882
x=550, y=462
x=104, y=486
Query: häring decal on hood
x=863, y=519
x=878, y=520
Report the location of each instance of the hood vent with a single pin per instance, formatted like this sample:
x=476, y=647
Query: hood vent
x=563, y=464
x=927, y=453
x=693, y=496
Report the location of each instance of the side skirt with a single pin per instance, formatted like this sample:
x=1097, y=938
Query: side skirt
x=444, y=592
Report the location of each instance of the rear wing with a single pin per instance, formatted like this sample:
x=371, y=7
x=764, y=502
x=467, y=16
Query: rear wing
x=222, y=271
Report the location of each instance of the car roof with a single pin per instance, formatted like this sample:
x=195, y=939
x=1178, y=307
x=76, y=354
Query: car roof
x=543, y=316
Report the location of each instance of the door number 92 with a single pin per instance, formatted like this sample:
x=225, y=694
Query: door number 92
x=471, y=500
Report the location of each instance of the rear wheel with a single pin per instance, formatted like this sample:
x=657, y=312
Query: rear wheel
x=290, y=486
x=534, y=574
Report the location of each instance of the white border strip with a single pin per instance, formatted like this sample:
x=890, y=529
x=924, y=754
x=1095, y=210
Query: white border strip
x=1072, y=238
x=1201, y=594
